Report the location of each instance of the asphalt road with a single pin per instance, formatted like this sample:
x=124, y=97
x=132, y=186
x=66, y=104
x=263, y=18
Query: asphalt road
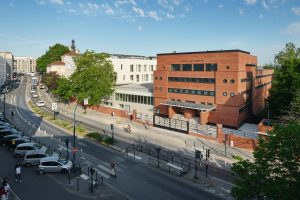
x=134, y=181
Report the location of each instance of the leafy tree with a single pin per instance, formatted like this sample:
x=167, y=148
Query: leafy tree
x=64, y=89
x=51, y=80
x=286, y=79
x=275, y=172
x=94, y=77
x=53, y=54
x=293, y=114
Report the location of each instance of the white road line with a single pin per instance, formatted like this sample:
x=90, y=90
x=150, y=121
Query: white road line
x=102, y=174
x=136, y=157
x=224, y=181
x=104, y=168
x=84, y=177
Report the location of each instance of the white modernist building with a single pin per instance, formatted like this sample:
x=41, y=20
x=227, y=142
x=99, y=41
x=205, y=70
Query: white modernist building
x=133, y=69
x=24, y=64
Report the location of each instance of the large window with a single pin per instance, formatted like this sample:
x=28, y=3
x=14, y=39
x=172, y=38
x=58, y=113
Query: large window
x=131, y=68
x=134, y=98
x=187, y=67
x=198, y=67
x=175, y=67
x=211, y=67
x=191, y=80
x=194, y=92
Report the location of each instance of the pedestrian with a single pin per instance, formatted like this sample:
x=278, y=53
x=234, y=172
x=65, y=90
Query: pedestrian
x=2, y=193
x=12, y=113
x=112, y=165
x=18, y=172
x=112, y=113
x=5, y=189
x=129, y=128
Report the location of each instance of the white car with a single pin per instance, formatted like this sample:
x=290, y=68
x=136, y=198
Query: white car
x=35, y=95
x=40, y=103
x=32, y=91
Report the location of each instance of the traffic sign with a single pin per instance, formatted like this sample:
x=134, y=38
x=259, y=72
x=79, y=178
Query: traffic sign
x=54, y=106
x=85, y=102
x=75, y=149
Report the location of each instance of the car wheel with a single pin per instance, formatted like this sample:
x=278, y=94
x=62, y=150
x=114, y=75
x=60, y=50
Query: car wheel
x=64, y=171
x=17, y=155
x=41, y=172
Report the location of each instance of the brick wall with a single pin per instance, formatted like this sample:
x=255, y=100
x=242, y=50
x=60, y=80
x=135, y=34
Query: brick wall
x=108, y=110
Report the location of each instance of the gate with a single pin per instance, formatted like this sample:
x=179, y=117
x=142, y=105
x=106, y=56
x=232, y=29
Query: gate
x=171, y=124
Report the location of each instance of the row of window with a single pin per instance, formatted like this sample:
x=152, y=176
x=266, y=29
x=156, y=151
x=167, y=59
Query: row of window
x=231, y=81
x=134, y=98
x=145, y=77
x=191, y=80
x=231, y=94
x=139, y=68
x=188, y=91
x=194, y=67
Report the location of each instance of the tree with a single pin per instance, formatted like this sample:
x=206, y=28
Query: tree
x=94, y=77
x=51, y=80
x=275, y=172
x=293, y=114
x=64, y=89
x=286, y=80
x=53, y=54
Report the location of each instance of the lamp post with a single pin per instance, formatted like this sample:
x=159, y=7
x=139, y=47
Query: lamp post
x=158, y=150
x=74, y=128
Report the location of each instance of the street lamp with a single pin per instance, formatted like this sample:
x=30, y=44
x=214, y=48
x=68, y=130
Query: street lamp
x=158, y=150
x=85, y=102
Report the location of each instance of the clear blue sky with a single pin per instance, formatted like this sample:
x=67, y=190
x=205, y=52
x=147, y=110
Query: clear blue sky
x=148, y=27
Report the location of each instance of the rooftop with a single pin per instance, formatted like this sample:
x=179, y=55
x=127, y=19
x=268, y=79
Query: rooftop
x=145, y=87
x=71, y=53
x=57, y=63
x=205, y=52
x=122, y=56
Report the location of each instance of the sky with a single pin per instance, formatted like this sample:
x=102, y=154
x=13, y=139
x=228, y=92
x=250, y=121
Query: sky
x=149, y=27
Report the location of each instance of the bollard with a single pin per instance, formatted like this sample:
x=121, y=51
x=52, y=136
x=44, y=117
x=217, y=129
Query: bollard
x=77, y=183
x=69, y=178
x=134, y=153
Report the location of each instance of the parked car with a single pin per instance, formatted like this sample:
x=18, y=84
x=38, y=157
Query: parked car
x=6, y=124
x=40, y=103
x=54, y=164
x=8, y=138
x=33, y=157
x=32, y=91
x=5, y=132
x=42, y=86
x=35, y=95
x=15, y=142
x=22, y=149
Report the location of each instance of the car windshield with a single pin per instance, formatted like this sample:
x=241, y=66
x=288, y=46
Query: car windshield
x=62, y=161
x=37, y=146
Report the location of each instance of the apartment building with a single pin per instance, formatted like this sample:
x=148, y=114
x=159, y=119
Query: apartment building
x=218, y=87
x=24, y=65
x=133, y=69
x=8, y=68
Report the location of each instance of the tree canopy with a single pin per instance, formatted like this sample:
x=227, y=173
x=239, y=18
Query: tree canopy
x=286, y=80
x=51, y=80
x=275, y=172
x=64, y=89
x=94, y=77
x=53, y=54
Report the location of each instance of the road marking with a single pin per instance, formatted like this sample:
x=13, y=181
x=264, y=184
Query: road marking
x=224, y=181
x=84, y=177
x=80, y=143
x=136, y=157
x=103, y=174
x=104, y=168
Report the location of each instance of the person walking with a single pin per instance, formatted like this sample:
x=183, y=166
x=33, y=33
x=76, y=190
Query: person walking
x=5, y=189
x=12, y=113
x=112, y=165
x=18, y=172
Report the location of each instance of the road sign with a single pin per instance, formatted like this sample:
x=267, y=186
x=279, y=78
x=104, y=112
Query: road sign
x=75, y=149
x=85, y=102
x=54, y=106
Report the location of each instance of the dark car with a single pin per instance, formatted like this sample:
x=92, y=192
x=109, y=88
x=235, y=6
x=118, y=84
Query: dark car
x=15, y=142
x=6, y=124
x=5, y=132
x=8, y=138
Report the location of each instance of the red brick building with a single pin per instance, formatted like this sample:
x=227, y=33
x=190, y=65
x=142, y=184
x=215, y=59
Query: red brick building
x=220, y=87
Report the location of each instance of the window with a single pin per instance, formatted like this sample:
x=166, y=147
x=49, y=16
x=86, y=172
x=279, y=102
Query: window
x=121, y=66
x=152, y=68
x=160, y=88
x=155, y=77
x=131, y=68
x=131, y=77
x=175, y=67
x=227, y=67
x=123, y=77
x=187, y=67
x=232, y=81
x=156, y=88
x=171, y=90
x=151, y=77
x=160, y=78
x=145, y=68
x=139, y=68
x=225, y=81
x=224, y=94
x=147, y=77
x=137, y=78
x=232, y=94
x=211, y=67
x=198, y=67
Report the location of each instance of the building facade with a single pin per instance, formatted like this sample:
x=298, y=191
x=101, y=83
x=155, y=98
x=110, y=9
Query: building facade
x=133, y=69
x=58, y=67
x=24, y=65
x=218, y=87
x=7, y=71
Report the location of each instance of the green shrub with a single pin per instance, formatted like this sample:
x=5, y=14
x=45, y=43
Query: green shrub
x=94, y=135
x=108, y=140
x=239, y=158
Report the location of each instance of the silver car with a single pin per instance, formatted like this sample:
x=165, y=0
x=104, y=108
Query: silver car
x=22, y=149
x=54, y=164
x=33, y=157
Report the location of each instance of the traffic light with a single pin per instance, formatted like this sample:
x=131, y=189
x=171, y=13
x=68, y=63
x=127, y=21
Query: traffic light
x=67, y=142
x=207, y=153
x=198, y=154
